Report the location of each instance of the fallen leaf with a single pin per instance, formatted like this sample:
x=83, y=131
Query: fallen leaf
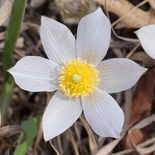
x=145, y=122
x=10, y=130
x=132, y=17
x=5, y=11
x=140, y=109
x=143, y=98
x=152, y=3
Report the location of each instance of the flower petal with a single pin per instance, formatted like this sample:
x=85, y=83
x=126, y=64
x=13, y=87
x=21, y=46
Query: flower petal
x=57, y=40
x=118, y=74
x=146, y=35
x=103, y=114
x=34, y=73
x=60, y=114
x=93, y=37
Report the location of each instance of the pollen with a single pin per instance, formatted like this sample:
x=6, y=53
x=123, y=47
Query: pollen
x=78, y=78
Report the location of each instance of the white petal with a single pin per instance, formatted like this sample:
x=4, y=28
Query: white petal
x=118, y=74
x=34, y=73
x=93, y=37
x=57, y=40
x=146, y=35
x=60, y=114
x=103, y=114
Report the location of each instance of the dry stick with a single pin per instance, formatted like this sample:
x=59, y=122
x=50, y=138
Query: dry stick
x=133, y=50
x=19, y=53
x=136, y=19
x=117, y=51
x=73, y=142
x=105, y=150
x=126, y=39
x=137, y=6
x=148, y=142
x=122, y=38
x=38, y=139
x=92, y=141
x=0, y=118
x=54, y=148
x=128, y=101
x=59, y=144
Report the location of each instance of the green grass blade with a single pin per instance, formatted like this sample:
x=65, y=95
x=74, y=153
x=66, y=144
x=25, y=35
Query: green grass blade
x=5, y=97
x=31, y=128
x=12, y=34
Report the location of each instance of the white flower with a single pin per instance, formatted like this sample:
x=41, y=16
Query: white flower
x=146, y=35
x=75, y=69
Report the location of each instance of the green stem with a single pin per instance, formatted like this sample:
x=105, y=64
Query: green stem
x=12, y=34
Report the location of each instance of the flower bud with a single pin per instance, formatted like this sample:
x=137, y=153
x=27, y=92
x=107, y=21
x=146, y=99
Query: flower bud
x=73, y=10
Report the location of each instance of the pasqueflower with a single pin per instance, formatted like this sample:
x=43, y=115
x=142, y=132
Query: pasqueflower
x=82, y=81
x=146, y=35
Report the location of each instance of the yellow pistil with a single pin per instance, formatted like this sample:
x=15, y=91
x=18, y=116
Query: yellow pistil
x=78, y=78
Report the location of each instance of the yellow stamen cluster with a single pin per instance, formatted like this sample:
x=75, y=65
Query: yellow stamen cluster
x=78, y=78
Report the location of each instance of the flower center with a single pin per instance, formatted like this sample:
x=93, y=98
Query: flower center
x=78, y=78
